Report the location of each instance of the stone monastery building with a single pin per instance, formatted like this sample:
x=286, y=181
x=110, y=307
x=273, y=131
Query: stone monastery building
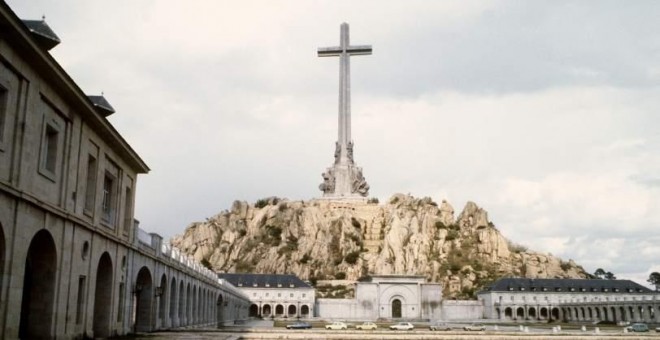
x=275, y=295
x=570, y=300
x=73, y=261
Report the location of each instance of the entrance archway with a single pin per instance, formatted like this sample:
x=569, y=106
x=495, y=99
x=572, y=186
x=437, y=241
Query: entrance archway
x=279, y=310
x=173, y=303
x=143, y=300
x=38, y=287
x=292, y=310
x=220, y=305
x=508, y=313
x=304, y=310
x=254, y=311
x=103, y=297
x=396, y=308
x=266, y=310
x=162, y=300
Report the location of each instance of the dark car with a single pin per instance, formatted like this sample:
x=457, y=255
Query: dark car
x=299, y=325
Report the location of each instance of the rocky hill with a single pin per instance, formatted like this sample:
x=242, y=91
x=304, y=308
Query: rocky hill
x=319, y=240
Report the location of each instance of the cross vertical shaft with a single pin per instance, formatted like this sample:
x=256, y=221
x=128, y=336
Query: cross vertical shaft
x=344, y=179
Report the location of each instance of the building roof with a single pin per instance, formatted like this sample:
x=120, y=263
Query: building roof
x=31, y=43
x=102, y=105
x=566, y=285
x=264, y=280
x=42, y=33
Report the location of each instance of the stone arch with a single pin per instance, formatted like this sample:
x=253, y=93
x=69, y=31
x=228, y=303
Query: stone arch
x=508, y=313
x=220, y=304
x=292, y=310
x=590, y=313
x=173, y=302
x=38, y=287
x=266, y=310
x=144, y=299
x=520, y=313
x=254, y=311
x=613, y=312
x=198, y=304
x=162, y=299
x=304, y=310
x=182, y=304
x=651, y=313
x=103, y=297
x=397, y=309
x=622, y=314
x=597, y=313
x=189, y=303
x=554, y=313
x=279, y=310
x=531, y=313
x=543, y=313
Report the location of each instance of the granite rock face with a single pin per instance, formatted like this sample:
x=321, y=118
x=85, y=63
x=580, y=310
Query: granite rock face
x=321, y=239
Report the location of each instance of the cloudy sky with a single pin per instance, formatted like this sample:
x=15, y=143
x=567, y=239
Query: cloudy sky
x=545, y=113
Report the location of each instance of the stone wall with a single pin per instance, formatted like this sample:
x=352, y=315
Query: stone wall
x=462, y=310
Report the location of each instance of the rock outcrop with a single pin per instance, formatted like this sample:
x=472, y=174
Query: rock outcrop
x=322, y=239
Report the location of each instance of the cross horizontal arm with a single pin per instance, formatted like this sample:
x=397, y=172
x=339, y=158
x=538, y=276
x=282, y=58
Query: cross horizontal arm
x=337, y=50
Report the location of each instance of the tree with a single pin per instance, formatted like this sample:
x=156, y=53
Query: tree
x=654, y=279
x=610, y=276
x=599, y=273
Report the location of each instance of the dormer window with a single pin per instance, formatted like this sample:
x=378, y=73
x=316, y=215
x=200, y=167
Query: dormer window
x=240, y=284
x=254, y=284
x=557, y=289
x=279, y=285
x=583, y=290
x=545, y=289
x=572, y=289
x=267, y=284
x=291, y=285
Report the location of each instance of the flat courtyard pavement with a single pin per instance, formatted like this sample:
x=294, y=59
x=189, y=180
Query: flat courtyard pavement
x=260, y=329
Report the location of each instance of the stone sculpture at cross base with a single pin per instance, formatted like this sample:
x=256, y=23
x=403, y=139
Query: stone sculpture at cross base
x=344, y=179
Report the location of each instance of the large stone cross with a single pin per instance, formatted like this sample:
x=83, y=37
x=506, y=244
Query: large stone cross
x=344, y=179
x=344, y=51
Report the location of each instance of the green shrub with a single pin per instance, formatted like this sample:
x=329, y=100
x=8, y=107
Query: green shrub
x=352, y=257
x=304, y=259
x=261, y=203
x=451, y=235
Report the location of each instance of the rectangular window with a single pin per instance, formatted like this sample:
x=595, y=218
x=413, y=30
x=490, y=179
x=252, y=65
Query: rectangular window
x=291, y=295
x=80, y=307
x=120, y=302
x=128, y=209
x=108, y=198
x=90, y=190
x=4, y=98
x=50, y=148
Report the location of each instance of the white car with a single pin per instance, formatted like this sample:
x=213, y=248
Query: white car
x=402, y=326
x=366, y=326
x=475, y=327
x=336, y=325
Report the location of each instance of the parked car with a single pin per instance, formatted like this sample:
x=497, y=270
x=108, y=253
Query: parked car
x=366, y=326
x=440, y=326
x=336, y=325
x=299, y=325
x=402, y=326
x=657, y=329
x=638, y=327
x=475, y=327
